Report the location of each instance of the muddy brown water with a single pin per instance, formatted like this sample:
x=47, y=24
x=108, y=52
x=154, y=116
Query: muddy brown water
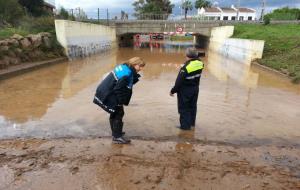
x=237, y=104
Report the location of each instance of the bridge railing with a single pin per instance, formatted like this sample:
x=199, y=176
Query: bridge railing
x=108, y=17
x=148, y=16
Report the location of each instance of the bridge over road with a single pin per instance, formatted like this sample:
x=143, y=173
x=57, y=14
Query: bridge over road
x=161, y=26
x=200, y=27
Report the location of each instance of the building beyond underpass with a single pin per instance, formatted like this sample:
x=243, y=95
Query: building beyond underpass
x=223, y=13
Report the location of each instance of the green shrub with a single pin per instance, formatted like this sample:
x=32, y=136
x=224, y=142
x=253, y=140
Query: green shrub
x=267, y=19
x=39, y=24
x=10, y=12
x=284, y=14
x=33, y=7
x=44, y=24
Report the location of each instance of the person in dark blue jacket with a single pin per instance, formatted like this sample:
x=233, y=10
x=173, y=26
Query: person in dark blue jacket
x=115, y=91
x=187, y=89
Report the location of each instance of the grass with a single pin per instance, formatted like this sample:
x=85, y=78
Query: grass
x=282, y=46
x=8, y=32
x=181, y=38
x=29, y=26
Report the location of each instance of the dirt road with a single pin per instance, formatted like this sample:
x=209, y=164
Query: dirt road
x=97, y=164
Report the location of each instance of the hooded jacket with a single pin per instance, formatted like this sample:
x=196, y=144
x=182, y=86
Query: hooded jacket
x=116, y=88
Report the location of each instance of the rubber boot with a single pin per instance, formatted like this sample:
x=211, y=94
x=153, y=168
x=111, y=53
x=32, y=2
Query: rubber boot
x=117, y=128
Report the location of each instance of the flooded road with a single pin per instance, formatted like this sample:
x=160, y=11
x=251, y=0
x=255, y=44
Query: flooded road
x=246, y=136
x=237, y=104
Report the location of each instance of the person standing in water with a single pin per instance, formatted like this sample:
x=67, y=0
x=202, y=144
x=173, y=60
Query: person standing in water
x=187, y=89
x=115, y=91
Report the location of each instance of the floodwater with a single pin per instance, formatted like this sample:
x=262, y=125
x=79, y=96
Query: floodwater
x=237, y=104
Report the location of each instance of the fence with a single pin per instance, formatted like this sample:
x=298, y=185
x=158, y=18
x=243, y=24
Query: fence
x=106, y=16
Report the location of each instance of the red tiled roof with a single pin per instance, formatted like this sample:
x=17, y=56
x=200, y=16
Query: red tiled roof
x=228, y=10
x=212, y=10
x=246, y=10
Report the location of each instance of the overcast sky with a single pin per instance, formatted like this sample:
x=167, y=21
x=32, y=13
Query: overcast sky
x=115, y=6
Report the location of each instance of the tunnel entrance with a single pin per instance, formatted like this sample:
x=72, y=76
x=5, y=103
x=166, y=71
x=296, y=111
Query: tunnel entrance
x=129, y=39
x=201, y=41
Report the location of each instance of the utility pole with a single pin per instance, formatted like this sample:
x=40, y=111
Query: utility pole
x=107, y=16
x=238, y=11
x=78, y=16
x=263, y=6
x=98, y=15
x=72, y=14
x=181, y=8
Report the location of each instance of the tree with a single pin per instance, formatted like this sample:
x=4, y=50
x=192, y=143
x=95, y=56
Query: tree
x=80, y=15
x=34, y=7
x=64, y=14
x=202, y=3
x=10, y=12
x=152, y=9
x=187, y=6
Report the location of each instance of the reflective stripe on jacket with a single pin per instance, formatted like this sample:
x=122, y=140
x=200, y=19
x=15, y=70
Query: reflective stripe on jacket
x=189, y=75
x=116, y=88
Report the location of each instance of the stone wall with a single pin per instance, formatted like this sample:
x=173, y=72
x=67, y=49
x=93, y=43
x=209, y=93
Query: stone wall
x=34, y=47
x=83, y=39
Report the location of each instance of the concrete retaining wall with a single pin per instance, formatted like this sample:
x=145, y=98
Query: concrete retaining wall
x=222, y=32
x=239, y=49
x=83, y=39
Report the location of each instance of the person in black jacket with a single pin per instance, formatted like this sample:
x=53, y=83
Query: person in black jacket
x=187, y=89
x=115, y=91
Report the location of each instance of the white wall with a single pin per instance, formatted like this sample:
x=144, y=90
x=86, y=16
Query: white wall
x=246, y=15
x=222, y=32
x=201, y=12
x=238, y=49
x=229, y=15
x=83, y=39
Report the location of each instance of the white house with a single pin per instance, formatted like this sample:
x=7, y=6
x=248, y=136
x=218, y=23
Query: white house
x=223, y=13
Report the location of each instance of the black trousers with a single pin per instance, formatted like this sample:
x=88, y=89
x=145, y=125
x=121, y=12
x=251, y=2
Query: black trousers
x=116, y=122
x=187, y=99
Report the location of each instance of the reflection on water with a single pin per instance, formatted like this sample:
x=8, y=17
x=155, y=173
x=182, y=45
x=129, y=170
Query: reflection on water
x=28, y=96
x=225, y=69
x=269, y=79
x=237, y=103
x=166, y=46
x=82, y=73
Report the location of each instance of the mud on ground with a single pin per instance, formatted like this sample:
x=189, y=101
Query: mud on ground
x=97, y=164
